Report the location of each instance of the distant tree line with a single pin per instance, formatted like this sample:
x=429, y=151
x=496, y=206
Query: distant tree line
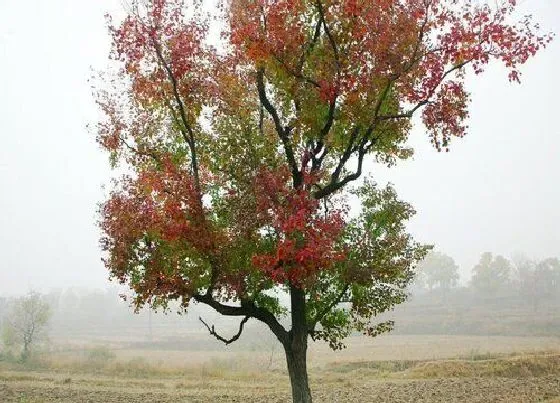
x=75, y=313
x=519, y=284
x=493, y=276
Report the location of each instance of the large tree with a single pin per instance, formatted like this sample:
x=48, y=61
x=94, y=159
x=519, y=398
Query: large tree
x=240, y=149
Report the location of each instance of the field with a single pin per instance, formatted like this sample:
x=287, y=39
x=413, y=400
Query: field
x=387, y=369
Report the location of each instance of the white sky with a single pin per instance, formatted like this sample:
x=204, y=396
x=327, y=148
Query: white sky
x=496, y=190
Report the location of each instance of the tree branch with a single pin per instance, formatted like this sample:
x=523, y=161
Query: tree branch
x=334, y=183
x=323, y=134
x=282, y=132
x=329, y=35
x=267, y=105
x=222, y=339
x=297, y=74
x=330, y=306
x=309, y=48
x=333, y=186
x=423, y=102
x=187, y=133
x=350, y=149
x=137, y=151
x=247, y=308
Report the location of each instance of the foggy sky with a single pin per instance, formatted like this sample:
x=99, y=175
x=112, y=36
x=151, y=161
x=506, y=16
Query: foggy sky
x=497, y=190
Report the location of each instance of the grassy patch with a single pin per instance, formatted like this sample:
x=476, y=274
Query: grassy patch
x=514, y=367
x=374, y=366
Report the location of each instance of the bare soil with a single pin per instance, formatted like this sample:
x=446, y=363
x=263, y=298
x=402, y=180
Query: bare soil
x=392, y=369
x=350, y=387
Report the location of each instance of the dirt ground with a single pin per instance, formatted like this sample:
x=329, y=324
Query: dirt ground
x=384, y=347
x=31, y=389
x=393, y=369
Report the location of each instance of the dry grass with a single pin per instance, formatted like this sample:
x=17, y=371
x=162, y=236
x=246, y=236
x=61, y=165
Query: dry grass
x=481, y=370
x=385, y=348
x=428, y=347
x=359, y=385
x=515, y=367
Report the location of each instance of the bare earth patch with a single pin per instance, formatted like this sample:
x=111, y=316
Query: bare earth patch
x=512, y=379
x=440, y=390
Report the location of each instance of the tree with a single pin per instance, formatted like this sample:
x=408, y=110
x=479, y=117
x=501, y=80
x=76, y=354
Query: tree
x=491, y=274
x=438, y=270
x=241, y=155
x=548, y=274
x=3, y=308
x=538, y=280
x=26, y=322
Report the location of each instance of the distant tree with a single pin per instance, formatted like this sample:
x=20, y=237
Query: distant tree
x=3, y=308
x=548, y=273
x=4, y=331
x=538, y=281
x=491, y=274
x=521, y=267
x=438, y=270
x=526, y=279
x=26, y=322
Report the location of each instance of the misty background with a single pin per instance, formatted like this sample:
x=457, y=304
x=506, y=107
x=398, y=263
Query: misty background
x=497, y=190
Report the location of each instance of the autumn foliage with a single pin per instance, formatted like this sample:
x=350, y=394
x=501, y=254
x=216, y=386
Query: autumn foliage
x=242, y=127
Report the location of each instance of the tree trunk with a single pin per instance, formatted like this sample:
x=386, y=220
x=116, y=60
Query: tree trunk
x=25, y=352
x=296, y=348
x=296, y=358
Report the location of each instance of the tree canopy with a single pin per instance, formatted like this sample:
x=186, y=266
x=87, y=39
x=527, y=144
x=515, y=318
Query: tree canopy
x=239, y=152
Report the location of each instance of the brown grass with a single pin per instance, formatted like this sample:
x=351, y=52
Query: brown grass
x=480, y=370
x=515, y=367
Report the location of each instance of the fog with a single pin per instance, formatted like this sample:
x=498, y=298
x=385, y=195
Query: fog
x=520, y=303
x=495, y=191
x=482, y=319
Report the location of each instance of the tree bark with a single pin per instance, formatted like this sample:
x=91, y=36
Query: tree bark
x=296, y=348
x=25, y=352
x=296, y=358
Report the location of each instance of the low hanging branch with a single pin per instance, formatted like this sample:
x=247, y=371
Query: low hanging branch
x=222, y=339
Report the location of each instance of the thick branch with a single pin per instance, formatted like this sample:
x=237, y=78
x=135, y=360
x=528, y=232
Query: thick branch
x=350, y=149
x=330, y=120
x=334, y=186
x=320, y=147
x=267, y=105
x=247, y=308
x=282, y=132
x=222, y=339
x=346, y=155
